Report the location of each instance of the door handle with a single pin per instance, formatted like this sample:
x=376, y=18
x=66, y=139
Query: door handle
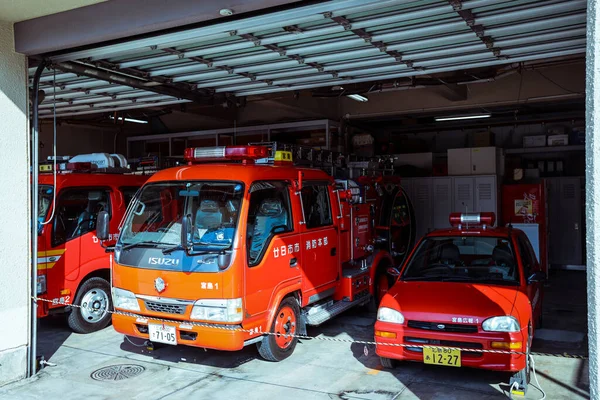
x=333, y=251
x=293, y=262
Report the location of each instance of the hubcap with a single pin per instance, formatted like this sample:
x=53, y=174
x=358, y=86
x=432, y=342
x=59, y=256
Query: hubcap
x=285, y=327
x=94, y=305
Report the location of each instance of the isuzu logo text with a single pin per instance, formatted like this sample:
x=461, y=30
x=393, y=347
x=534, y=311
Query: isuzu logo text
x=162, y=261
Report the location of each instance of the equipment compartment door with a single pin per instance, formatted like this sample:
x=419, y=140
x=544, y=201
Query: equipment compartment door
x=319, y=241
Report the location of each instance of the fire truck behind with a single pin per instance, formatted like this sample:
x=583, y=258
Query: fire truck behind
x=73, y=268
x=241, y=242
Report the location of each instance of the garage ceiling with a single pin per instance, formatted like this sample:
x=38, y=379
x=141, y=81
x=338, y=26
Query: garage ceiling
x=320, y=45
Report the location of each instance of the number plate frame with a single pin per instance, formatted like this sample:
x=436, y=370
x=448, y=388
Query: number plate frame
x=442, y=356
x=162, y=334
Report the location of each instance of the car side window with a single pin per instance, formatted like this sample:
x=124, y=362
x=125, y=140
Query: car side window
x=77, y=211
x=269, y=214
x=526, y=258
x=316, y=204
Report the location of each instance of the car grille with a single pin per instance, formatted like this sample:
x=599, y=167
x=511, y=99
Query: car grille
x=447, y=343
x=166, y=308
x=435, y=326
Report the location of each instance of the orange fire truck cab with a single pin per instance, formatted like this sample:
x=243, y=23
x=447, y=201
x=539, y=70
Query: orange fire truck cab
x=73, y=268
x=218, y=252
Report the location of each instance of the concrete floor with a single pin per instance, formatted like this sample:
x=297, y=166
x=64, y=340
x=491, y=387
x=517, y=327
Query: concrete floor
x=318, y=369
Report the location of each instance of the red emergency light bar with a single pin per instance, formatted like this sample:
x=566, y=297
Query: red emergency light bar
x=224, y=153
x=474, y=219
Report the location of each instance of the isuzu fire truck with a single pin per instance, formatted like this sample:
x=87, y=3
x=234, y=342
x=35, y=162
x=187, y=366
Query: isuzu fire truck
x=464, y=293
x=229, y=241
x=73, y=268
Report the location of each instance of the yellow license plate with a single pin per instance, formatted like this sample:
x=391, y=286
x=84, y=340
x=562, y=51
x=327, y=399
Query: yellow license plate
x=441, y=356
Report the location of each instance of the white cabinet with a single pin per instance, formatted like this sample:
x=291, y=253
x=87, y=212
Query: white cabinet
x=433, y=199
x=476, y=161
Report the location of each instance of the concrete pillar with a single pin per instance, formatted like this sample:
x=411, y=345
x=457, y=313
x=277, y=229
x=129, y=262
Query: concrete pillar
x=15, y=254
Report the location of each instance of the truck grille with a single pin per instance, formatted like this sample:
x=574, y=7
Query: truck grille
x=165, y=308
x=436, y=326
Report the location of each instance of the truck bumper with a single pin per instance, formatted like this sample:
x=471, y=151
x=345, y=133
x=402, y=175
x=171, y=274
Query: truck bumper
x=187, y=334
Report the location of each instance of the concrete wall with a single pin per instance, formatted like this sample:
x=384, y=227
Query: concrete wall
x=74, y=139
x=15, y=255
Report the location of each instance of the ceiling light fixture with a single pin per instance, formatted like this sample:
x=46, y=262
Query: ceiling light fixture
x=137, y=121
x=226, y=12
x=461, y=117
x=358, y=97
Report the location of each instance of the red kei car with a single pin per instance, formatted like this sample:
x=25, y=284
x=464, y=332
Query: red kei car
x=469, y=287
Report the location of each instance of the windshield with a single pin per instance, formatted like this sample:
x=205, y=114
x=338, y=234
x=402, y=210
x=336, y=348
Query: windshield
x=464, y=259
x=155, y=216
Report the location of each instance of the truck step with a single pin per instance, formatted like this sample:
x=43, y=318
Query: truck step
x=325, y=314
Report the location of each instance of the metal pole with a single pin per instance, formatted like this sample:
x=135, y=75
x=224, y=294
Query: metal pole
x=32, y=365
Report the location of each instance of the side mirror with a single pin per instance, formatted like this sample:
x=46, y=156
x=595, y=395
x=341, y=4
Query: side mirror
x=102, y=226
x=393, y=271
x=186, y=233
x=536, y=277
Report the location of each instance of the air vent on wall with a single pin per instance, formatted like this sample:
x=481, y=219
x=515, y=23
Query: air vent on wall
x=464, y=191
x=485, y=191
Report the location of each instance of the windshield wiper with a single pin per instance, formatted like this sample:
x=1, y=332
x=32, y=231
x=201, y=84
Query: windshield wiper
x=140, y=244
x=169, y=250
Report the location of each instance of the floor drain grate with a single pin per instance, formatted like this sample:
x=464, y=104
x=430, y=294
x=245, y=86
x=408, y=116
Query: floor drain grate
x=117, y=372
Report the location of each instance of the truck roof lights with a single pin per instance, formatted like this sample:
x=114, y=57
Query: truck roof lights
x=225, y=153
x=483, y=219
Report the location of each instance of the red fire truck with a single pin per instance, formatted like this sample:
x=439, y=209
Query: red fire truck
x=230, y=242
x=73, y=268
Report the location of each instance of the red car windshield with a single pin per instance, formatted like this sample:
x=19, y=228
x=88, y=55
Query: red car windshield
x=464, y=259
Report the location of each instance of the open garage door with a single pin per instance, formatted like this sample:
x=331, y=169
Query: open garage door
x=332, y=44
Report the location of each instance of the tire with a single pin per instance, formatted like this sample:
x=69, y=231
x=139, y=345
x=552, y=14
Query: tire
x=382, y=284
x=388, y=363
x=277, y=347
x=94, y=296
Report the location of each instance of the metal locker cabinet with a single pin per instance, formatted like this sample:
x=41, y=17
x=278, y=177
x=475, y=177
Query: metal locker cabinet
x=423, y=205
x=483, y=160
x=570, y=216
x=442, y=202
x=485, y=194
x=462, y=193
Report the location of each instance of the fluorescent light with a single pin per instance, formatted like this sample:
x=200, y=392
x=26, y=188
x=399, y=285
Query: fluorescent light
x=137, y=121
x=460, y=117
x=357, y=97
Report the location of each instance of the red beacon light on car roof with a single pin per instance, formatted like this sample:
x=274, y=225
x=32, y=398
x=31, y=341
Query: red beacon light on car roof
x=225, y=153
x=467, y=220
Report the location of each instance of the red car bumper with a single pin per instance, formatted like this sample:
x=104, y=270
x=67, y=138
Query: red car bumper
x=471, y=342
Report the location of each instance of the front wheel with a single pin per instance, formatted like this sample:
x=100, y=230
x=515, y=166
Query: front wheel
x=280, y=344
x=388, y=363
x=94, y=301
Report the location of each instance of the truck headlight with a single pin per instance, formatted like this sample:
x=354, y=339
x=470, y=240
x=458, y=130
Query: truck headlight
x=218, y=310
x=385, y=314
x=501, y=324
x=41, y=284
x=125, y=300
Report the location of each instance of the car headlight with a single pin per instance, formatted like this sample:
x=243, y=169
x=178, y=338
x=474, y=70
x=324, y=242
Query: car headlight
x=385, y=314
x=218, y=310
x=125, y=300
x=501, y=324
x=41, y=284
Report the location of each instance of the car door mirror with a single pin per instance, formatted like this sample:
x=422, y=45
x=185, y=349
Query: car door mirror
x=536, y=277
x=102, y=225
x=393, y=271
x=186, y=233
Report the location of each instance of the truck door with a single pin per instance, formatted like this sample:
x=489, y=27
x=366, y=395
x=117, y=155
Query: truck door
x=530, y=266
x=45, y=198
x=273, y=249
x=319, y=242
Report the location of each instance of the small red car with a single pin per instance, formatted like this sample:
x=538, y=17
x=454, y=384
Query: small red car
x=471, y=287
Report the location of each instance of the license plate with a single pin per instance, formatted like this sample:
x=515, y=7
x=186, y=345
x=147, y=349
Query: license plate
x=162, y=333
x=441, y=356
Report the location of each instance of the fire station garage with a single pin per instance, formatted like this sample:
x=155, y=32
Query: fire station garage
x=427, y=167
